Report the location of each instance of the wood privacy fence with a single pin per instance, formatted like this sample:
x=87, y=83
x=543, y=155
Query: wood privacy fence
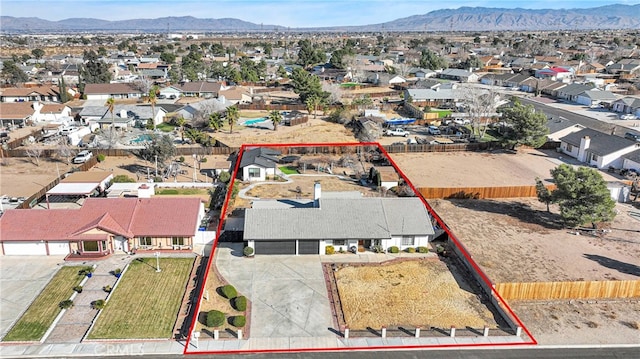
x=479, y=192
x=570, y=290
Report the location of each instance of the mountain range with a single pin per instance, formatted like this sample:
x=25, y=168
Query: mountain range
x=462, y=19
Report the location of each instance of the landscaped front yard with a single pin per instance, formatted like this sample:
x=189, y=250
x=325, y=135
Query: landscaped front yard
x=145, y=303
x=412, y=293
x=44, y=309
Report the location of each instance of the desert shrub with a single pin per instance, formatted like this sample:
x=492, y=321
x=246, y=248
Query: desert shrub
x=66, y=304
x=203, y=160
x=440, y=249
x=247, y=251
x=423, y=250
x=78, y=288
x=238, y=321
x=239, y=303
x=411, y=250
x=181, y=159
x=98, y=304
x=229, y=292
x=394, y=249
x=224, y=177
x=107, y=288
x=123, y=179
x=378, y=249
x=341, y=250
x=215, y=318
x=329, y=250
x=100, y=157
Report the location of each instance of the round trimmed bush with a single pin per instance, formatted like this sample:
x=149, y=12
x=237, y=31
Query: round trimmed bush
x=411, y=250
x=423, y=250
x=215, y=318
x=66, y=304
x=229, y=292
x=238, y=321
x=247, y=251
x=239, y=303
x=394, y=249
x=98, y=304
x=329, y=250
x=78, y=288
x=100, y=157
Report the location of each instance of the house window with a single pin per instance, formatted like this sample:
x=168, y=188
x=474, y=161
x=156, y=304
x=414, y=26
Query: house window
x=177, y=241
x=254, y=172
x=408, y=240
x=569, y=148
x=145, y=241
x=339, y=242
x=594, y=157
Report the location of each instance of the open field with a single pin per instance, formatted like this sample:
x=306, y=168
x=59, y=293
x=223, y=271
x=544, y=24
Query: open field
x=20, y=177
x=329, y=183
x=44, y=309
x=412, y=293
x=145, y=303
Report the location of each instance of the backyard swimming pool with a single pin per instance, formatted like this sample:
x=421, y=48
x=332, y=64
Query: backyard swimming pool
x=141, y=138
x=254, y=121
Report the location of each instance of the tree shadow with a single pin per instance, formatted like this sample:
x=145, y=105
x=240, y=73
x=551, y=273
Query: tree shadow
x=522, y=212
x=134, y=168
x=621, y=267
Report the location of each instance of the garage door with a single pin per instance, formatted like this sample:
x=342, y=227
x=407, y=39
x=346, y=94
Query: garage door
x=275, y=247
x=58, y=248
x=25, y=249
x=308, y=247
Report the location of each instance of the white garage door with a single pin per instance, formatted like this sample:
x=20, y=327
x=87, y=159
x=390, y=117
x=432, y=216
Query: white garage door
x=58, y=248
x=25, y=249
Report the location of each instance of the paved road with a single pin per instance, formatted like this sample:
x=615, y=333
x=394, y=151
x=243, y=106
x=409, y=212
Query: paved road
x=577, y=118
x=538, y=353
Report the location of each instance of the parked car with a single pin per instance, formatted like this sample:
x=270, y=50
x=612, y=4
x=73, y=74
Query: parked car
x=433, y=130
x=462, y=121
x=397, y=132
x=632, y=136
x=628, y=116
x=82, y=157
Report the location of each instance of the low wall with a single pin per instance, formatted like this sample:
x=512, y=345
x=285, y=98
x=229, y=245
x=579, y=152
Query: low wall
x=570, y=290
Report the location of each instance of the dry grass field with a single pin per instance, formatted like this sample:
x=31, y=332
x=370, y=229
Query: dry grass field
x=329, y=183
x=412, y=293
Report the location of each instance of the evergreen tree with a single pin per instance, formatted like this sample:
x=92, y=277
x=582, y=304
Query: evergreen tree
x=431, y=60
x=526, y=126
x=12, y=74
x=307, y=85
x=94, y=71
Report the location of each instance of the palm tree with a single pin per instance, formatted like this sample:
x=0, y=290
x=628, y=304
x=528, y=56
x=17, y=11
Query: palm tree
x=111, y=105
x=215, y=121
x=312, y=104
x=180, y=121
x=232, y=116
x=276, y=117
x=153, y=92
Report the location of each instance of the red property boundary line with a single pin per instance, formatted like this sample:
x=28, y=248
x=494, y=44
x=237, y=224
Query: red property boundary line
x=396, y=347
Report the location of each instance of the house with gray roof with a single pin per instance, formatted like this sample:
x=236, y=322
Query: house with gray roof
x=123, y=117
x=209, y=106
x=560, y=127
x=596, y=148
x=631, y=161
x=257, y=164
x=628, y=104
x=570, y=92
x=458, y=75
x=344, y=220
x=595, y=97
x=438, y=97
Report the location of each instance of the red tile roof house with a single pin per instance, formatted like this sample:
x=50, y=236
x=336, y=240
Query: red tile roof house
x=102, y=226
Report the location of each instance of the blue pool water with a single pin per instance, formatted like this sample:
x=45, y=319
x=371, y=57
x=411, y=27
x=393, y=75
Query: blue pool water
x=254, y=121
x=141, y=138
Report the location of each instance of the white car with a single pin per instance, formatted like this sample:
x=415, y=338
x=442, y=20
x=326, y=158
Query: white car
x=82, y=157
x=462, y=121
x=628, y=116
x=397, y=132
x=433, y=130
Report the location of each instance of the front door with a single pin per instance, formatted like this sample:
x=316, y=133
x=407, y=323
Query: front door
x=121, y=244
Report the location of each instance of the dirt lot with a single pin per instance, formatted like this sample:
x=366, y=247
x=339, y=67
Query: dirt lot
x=413, y=293
x=20, y=177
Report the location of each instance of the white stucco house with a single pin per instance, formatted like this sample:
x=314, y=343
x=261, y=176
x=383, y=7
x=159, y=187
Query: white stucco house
x=597, y=149
x=560, y=127
x=595, y=97
x=631, y=161
x=344, y=220
x=257, y=164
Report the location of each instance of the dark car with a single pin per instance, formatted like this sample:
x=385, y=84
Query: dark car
x=632, y=136
x=4, y=137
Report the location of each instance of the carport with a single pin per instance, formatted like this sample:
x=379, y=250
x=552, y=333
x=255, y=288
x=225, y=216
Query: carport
x=72, y=189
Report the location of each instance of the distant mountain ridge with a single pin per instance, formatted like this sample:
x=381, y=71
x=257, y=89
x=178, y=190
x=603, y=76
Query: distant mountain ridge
x=461, y=19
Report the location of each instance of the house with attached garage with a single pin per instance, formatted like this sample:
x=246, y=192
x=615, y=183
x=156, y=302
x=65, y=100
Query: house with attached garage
x=343, y=220
x=597, y=149
x=102, y=226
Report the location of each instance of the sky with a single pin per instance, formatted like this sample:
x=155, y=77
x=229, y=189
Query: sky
x=298, y=13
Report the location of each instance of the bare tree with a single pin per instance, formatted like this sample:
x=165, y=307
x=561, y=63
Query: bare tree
x=33, y=152
x=480, y=105
x=143, y=84
x=334, y=91
x=402, y=68
x=64, y=149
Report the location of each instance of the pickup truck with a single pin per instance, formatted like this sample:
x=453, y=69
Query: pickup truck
x=397, y=132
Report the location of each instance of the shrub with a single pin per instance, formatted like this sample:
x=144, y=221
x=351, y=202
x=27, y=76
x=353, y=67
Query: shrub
x=100, y=157
x=66, y=304
x=107, y=288
x=423, y=250
x=239, y=303
x=123, y=179
x=203, y=160
x=117, y=272
x=78, y=288
x=440, y=249
x=85, y=270
x=411, y=250
x=98, y=304
x=341, y=250
x=228, y=291
x=238, y=321
x=378, y=249
x=329, y=250
x=215, y=318
x=247, y=251
x=224, y=177
x=394, y=249
x=181, y=159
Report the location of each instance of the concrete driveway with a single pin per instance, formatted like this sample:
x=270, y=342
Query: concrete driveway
x=288, y=294
x=22, y=278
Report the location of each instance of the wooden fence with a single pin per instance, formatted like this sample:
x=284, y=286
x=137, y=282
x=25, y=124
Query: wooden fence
x=570, y=290
x=479, y=192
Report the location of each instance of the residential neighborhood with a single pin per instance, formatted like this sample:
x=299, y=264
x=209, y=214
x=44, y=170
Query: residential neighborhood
x=298, y=191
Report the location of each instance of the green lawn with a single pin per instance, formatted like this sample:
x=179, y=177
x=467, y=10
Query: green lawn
x=165, y=127
x=145, y=304
x=289, y=170
x=44, y=309
x=441, y=113
x=181, y=191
